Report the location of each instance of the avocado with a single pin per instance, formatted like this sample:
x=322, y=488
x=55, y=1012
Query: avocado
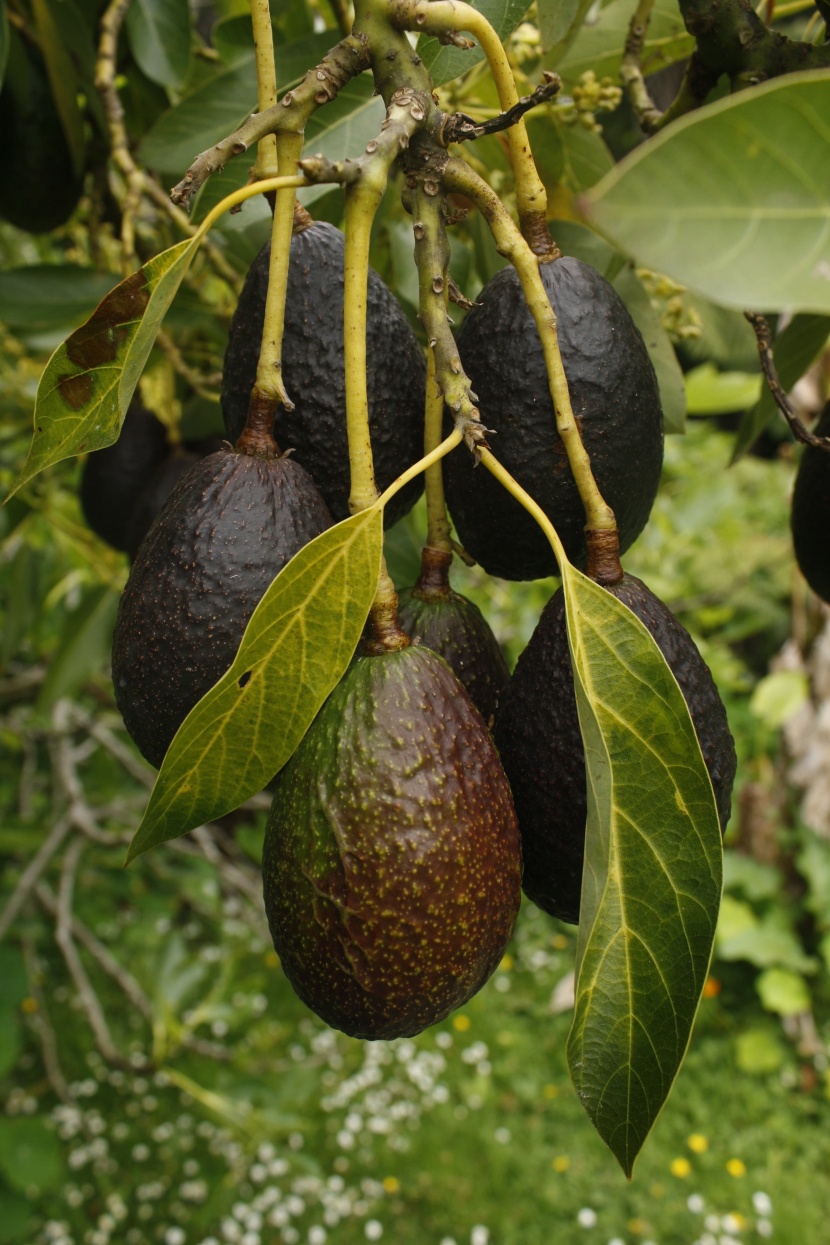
x=539, y=741
x=391, y=866
x=39, y=189
x=113, y=479
x=433, y=615
x=229, y=526
x=180, y=459
x=615, y=400
x=314, y=371
x=810, y=519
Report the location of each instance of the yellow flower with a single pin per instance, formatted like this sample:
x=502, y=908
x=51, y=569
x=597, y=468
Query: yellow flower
x=506, y=964
x=637, y=1226
x=272, y=960
x=461, y=1023
x=391, y=1184
x=550, y=1091
x=561, y=1163
x=559, y=941
x=29, y=1006
x=736, y=1168
x=698, y=1143
x=680, y=1168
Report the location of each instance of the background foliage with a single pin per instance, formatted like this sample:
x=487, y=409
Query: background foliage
x=160, y=1080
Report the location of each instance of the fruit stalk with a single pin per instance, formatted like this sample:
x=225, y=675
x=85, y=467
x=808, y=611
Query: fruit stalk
x=266, y=76
x=599, y=516
x=443, y=17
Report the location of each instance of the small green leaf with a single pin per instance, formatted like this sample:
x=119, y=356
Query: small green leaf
x=733, y=200
x=209, y=113
x=560, y=22
x=30, y=1154
x=652, y=877
x=783, y=992
x=159, y=34
x=298, y=643
x=794, y=350
x=84, y=647
x=779, y=696
x=444, y=62
x=88, y=383
x=710, y=392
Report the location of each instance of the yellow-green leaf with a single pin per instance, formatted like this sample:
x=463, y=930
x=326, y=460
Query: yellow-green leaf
x=88, y=383
x=296, y=647
x=652, y=877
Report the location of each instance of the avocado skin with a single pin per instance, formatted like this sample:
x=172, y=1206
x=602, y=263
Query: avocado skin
x=113, y=478
x=456, y=630
x=229, y=526
x=39, y=189
x=315, y=377
x=539, y=741
x=391, y=865
x=615, y=399
x=810, y=518
x=151, y=499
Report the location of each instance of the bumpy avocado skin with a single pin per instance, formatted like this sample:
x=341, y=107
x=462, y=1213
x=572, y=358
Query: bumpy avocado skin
x=314, y=371
x=391, y=867
x=39, y=189
x=114, y=478
x=615, y=399
x=228, y=527
x=456, y=629
x=538, y=738
x=810, y=519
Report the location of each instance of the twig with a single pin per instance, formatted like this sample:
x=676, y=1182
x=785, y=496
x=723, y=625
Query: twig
x=48, y=1042
x=32, y=873
x=764, y=338
x=459, y=128
x=134, y=766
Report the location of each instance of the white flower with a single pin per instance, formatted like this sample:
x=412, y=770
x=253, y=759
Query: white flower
x=373, y=1229
x=695, y=1203
x=586, y=1218
x=763, y=1227
x=762, y=1203
x=479, y=1235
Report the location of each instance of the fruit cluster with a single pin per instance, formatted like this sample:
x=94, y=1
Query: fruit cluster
x=431, y=786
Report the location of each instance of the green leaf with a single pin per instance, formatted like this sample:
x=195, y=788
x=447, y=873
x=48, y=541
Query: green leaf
x=88, y=383
x=298, y=643
x=783, y=992
x=30, y=1154
x=733, y=200
x=710, y=392
x=586, y=157
x=84, y=647
x=63, y=78
x=4, y=39
x=779, y=696
x=560, y=22
x=211, y=112
x=44, y=297
x=798, y=345
x=598, y=46
x=652, y=876
x=159, y=34
x=445, y=63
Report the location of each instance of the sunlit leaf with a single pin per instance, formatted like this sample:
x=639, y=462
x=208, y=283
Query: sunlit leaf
x=794, y=350
x=159, y=34
x=296, y=647
x=733, y=200
x=710, y=392
x=652, y=876
x=87, y=385
x=444, y=62
x=598, y=44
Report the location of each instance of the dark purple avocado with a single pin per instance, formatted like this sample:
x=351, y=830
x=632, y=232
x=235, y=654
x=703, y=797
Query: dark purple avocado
x=615, y=399
x=315, y=377
x=114, y=478
x=810, y=519
x=539, y=741
x=391, y=867
x=230, y=525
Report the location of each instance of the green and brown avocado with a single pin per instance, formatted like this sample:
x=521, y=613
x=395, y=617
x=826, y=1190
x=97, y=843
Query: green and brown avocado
x=391, y=866
x=615, y=400
x=314, y=373
x=230, y=525
x=538, y=737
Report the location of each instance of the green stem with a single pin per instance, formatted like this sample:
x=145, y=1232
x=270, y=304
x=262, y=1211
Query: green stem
x=438, y=525
x=266, y=76
x=446, y=16
x=533, y=508
x=361, y=204
x=460, y=177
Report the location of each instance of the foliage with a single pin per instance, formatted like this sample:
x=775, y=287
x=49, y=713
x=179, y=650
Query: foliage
x=209, y=1036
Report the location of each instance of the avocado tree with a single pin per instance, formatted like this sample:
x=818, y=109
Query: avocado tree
x=466, y=137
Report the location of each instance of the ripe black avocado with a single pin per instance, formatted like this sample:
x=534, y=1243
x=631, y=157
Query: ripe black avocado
x=615, y=399
x=539, y=741
x=314, y=371
x=114, y=478
x=229, y=526
x=391, y=866
x=810, y=519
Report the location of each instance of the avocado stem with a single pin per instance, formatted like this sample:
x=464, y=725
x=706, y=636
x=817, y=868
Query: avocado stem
x=433, y=583
x=266, y=76
x=257, y=437
x=460, y=177
x=443, y=17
